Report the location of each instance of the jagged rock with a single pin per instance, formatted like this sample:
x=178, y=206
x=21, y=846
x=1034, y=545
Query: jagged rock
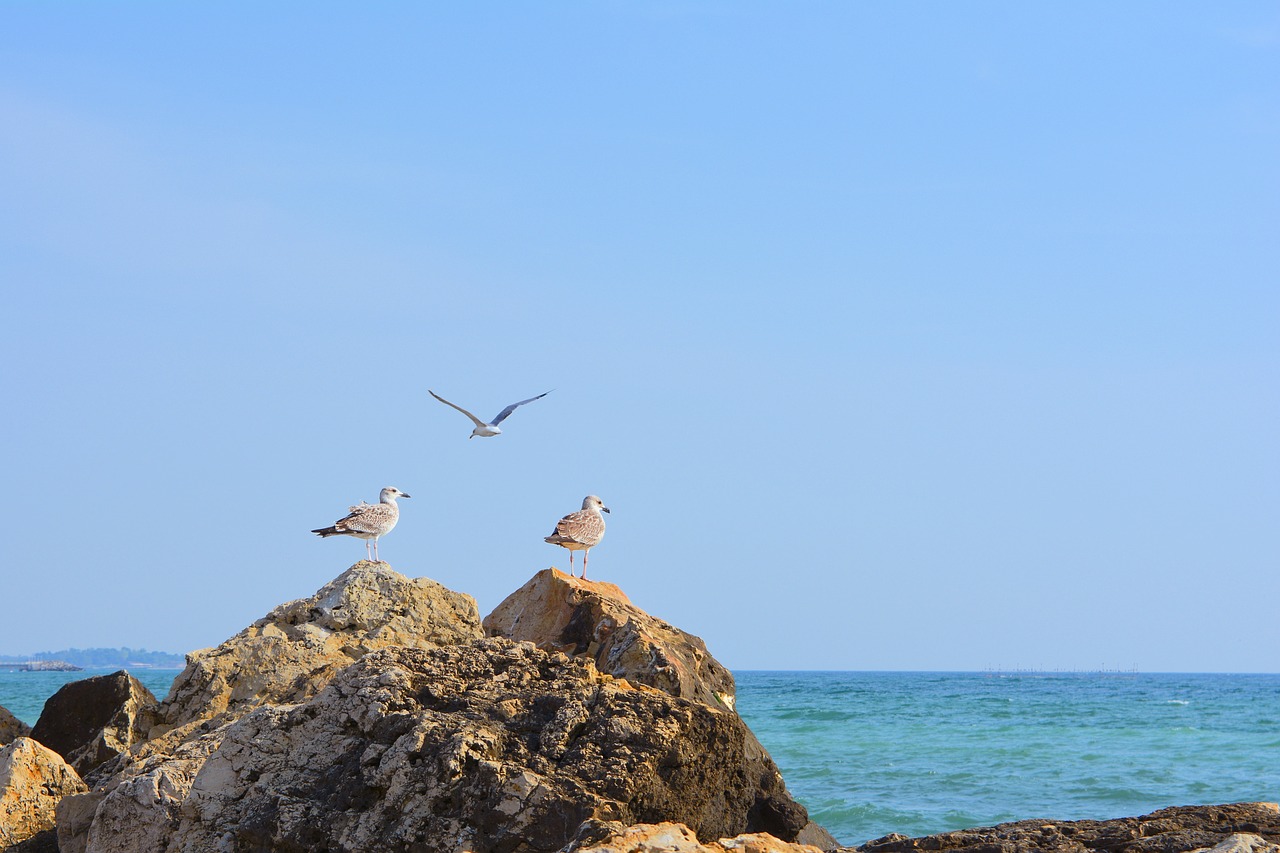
x=1182, y=829
x=815, y=835
x=1245, y=842
x=95, y=719
x=32, y=780
x=613, y=837
x=137, y=809
x=489, y=746
x=11, y=728
x=290, y=654
x=596, y=619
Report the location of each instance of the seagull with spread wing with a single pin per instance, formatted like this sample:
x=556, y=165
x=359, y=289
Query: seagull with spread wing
x=484, y=430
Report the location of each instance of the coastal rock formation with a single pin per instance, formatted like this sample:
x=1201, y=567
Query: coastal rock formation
x=136, y=807
x=291, y=653
x=1237, y=827
x=613, y=837
x=595, y=619
x=488, y=746
x=95, y=719
x=33, y=779
x=11, y=728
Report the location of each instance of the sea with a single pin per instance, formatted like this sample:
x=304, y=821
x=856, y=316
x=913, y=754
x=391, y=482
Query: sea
x=870, y=753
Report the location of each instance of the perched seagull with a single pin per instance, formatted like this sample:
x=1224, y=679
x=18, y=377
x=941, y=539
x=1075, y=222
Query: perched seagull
x=581, y=530
x=369, y=521
x=484, y=430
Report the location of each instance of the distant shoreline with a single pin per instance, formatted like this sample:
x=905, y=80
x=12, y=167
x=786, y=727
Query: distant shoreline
x=41, y=666
x=96, y=658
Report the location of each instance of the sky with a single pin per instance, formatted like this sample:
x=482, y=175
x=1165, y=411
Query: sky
x=906, y=336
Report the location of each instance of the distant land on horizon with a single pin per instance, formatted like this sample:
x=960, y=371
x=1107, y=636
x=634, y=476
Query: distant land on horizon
x=121, y=657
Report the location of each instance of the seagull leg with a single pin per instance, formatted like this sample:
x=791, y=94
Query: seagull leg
x=367, y=553
x=585, y=554
x=376, y=559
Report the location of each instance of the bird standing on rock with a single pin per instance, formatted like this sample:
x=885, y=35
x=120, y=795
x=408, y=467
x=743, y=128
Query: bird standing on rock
x=368, y=521
x=581, y=530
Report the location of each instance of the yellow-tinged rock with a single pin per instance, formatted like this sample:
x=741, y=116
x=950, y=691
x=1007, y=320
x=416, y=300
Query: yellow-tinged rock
x=32, y=781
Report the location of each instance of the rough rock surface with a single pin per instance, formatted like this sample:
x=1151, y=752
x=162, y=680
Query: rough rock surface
x=1239, y=827
x=136, y=809
x=95, y=719
x=488, y=746
x=11, y=728
x=290, y=654
x=32, y=780
x=613, y=837
x=596, y=619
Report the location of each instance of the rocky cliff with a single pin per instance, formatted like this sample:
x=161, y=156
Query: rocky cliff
x=375, y=715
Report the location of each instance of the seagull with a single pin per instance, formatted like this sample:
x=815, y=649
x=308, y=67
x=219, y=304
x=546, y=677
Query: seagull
x=484, y=430
x=581, y=530
x=368, y=521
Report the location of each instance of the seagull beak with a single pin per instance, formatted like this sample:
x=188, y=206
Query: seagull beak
x=403, y=495
x=604, y=509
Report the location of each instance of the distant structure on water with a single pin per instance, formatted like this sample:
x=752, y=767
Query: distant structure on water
x=999, y=671
x=41, y=666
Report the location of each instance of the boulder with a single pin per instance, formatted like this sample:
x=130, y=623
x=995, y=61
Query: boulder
x=95, y=719
x=595, y=619
x=11, y=728
x=33, y=779
x=488, y=746
x=290, y=654
x=1242, y=827
x=137, y=808
x=613, y=837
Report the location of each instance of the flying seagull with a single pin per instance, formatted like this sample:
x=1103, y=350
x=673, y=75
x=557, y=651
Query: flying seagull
x=484, y=430
x=581, y=530
x=368, y=521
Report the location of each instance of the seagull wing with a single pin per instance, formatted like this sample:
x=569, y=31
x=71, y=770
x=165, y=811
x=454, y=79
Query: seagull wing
x=479, y=422
x=502, y=416
x=583, y=526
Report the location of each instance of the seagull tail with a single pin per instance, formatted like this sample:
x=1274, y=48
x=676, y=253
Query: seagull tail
x=326, y=531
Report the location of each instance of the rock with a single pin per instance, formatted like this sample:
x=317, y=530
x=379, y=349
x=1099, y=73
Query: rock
x=74, y=817
x=1182, y=829
x=816, y=836
x=290, y=654
x=488, y=746
x=95, y=719
x=596, y=619
x=1245, y=842
x=11, y=728
x=613, y=837
x=33, y=779
x=138, y=807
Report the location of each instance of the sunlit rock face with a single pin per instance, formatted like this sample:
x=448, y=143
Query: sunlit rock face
x=33, y=778
x=596, y=619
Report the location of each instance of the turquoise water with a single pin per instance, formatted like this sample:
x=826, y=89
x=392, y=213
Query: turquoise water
x=24, y=693
x=871, y=753
x=876, y=752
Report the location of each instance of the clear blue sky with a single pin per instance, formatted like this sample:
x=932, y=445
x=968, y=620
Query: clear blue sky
x=896, y=335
